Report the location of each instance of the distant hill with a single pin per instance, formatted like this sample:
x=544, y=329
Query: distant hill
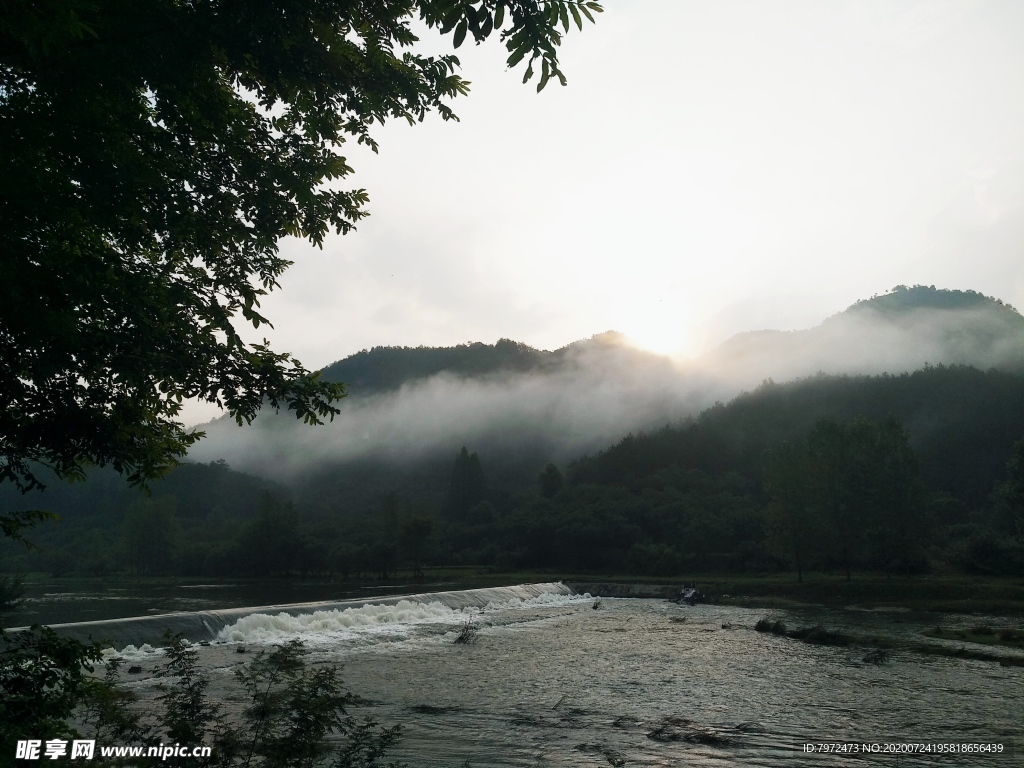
x=891, y=333
x=962, y=424
x=896, y=332
x=410, y=405
x=691, y=492
x=207, y=500
x=385, y=369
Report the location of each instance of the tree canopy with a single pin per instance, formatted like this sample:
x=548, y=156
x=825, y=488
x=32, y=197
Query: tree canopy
x=154, y=156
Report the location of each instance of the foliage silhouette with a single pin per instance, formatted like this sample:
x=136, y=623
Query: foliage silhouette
x=154, y=158
x=295, y=717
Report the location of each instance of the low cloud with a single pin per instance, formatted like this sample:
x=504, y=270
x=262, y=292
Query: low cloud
x=590, y=395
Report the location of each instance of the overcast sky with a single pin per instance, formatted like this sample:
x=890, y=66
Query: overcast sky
x=713, y=166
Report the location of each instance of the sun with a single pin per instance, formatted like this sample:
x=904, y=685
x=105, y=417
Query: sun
x=667, y=339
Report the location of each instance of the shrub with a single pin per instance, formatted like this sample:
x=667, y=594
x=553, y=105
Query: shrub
x=291, y=713
x=877, y=656
x=766, y=625
x=43, y=678
x=467, y=634
x=818, y=635
x=12, y=591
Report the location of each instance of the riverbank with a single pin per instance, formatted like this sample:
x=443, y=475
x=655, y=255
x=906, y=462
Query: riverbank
x=869, y=592
x=58, y=600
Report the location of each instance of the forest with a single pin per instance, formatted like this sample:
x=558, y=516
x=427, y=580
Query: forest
x=910, y=473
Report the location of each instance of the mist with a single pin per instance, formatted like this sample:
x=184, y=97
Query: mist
x=598, y=395
x=591, y=394
x=864, y=340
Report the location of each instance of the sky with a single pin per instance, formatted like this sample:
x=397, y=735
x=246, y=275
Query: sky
x=712, y=167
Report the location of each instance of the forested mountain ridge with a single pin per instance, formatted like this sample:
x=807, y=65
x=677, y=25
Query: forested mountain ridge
x=688, y=497
x=902, y=299
x=961, y=422
x=414, y=404
x=407, y=404
x=892, y=333
x=385, y=369
x=925, y=324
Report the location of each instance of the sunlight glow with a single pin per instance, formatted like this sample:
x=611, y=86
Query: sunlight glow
x=661, y=338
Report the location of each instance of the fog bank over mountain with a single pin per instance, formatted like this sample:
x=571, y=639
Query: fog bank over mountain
x=900, y=331
x=406, y=404
x=577, y=399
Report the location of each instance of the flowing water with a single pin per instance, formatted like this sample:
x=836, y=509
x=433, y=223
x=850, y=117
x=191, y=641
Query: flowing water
x=552, y=681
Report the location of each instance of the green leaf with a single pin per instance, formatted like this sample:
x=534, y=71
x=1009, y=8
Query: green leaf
x=460, y=33
x=517, y=56
x=474, y=20
x=576, y=17
x=545, y=73
x=563, y=14
x=450, y=20
x=499, y=15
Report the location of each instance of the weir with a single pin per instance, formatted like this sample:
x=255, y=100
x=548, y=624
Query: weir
x=200, y=626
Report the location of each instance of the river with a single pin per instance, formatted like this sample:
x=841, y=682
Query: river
x=552, y=681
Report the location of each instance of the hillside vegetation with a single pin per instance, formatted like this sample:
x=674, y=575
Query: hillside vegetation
x=904, y=473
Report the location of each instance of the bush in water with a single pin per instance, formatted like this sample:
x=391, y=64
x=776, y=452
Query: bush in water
x=467, y=634
x=766, y=625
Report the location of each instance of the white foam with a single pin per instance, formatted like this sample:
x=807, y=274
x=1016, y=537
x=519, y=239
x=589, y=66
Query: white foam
x=382, y=622
x=547, y=600
x=259, y=627
x=130, y=652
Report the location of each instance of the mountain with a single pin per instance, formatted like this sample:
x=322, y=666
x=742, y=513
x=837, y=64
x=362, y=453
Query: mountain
x=406, y=404
x=386, y=369
x=891, y=333
x=419, y=406
x=962, y=424
x=686, y=498
x=899, y=331
x=683, y=489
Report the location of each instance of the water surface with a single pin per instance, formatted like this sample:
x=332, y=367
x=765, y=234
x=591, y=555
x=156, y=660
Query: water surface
x=551, y=681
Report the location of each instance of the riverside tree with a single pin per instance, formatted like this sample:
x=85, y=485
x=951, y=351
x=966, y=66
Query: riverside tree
x=851, y=495
x=1012, y=490
x=794, y=526
x=154, y=156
